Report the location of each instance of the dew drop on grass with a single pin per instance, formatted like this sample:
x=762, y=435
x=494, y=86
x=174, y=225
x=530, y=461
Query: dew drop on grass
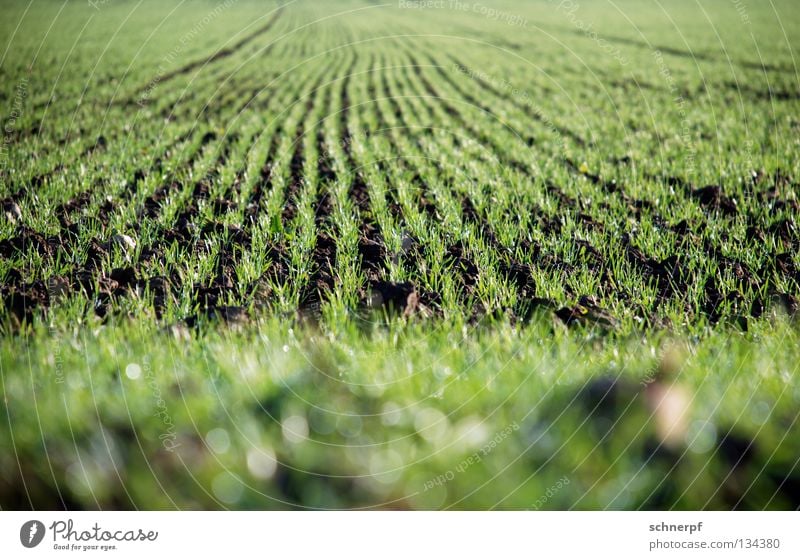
x=760, y=412
x=375, y=391
x=295, y=429
x=391, y=414
x=431, y=424
x=471, y=432
x=133, y=371
x=261, y=463
x=443, y=373
x=386, y=467
x=701, y=436
x=227, y=488
x=321, y=421
x=218, y=440
x=349, y=426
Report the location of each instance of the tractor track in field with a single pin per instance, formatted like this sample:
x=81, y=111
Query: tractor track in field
x=529, y=140
x=529, y=111
x=167, y=113
x=485, y=139
x=217, y=56
x=410, y=84
x=99, y=146
x=456, y=115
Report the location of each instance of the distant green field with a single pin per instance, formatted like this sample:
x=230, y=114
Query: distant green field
x=411, y=255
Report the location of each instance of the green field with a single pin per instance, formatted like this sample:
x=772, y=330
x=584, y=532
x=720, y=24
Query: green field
x=412, y=255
